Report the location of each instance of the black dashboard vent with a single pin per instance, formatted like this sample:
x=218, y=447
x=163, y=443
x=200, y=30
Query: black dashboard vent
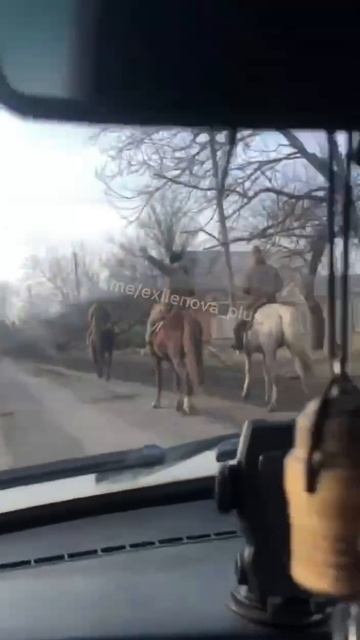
x=85, y=554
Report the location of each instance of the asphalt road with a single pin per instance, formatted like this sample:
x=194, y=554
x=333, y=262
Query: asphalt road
x=48, y=412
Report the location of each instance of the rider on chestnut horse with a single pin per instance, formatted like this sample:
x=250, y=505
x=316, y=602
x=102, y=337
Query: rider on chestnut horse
x=178, y=339
x=179, y=283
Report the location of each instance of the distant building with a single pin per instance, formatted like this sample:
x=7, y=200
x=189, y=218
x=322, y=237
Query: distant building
x=210, y=272
x=210, y=279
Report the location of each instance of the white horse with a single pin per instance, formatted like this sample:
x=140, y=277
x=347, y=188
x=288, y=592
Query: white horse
x=275, y=326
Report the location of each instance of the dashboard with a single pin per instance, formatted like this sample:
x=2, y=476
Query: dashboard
x=153, y=572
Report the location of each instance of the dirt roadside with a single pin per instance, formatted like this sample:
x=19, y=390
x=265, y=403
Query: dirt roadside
x=221, y=381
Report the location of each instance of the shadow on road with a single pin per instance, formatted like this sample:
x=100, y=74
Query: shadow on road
x=31, y=438
x=30, y=432
x=113, y=398
x=220, y=382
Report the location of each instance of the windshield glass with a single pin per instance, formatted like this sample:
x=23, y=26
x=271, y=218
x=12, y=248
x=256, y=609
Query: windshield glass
x=202, y=249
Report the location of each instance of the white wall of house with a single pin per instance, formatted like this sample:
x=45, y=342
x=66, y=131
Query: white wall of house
x=222, y=328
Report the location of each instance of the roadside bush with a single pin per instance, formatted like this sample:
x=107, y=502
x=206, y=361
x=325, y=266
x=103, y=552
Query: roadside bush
x=134, y=338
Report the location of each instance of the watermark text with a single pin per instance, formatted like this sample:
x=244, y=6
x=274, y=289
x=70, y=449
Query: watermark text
x=164, y=296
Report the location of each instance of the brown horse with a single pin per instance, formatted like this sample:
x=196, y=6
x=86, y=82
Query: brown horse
x=101, y=339
x=101, y=350
x=178, y=340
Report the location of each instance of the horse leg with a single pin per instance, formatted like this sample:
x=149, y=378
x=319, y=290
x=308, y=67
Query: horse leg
x=101, y=363
x=302, y=374
x=95, y=358
x=248, y=364
x=179, y=402
x=187, y=404
x=108, y=364
x=270, y=364
x=267, y=381
x=93, y=354
x=183, y=402
x=158, y=374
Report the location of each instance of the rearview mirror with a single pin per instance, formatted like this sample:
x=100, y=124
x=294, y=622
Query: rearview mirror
x=179, y=63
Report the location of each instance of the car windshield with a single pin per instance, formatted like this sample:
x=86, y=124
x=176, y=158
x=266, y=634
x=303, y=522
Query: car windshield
x=201, y=252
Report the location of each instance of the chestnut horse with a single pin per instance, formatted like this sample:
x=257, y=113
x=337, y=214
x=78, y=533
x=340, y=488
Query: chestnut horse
x=102, y=352
x=178, y=339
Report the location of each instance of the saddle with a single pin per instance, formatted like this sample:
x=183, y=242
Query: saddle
x=252, y=307
x=157, y=324
x=156, y=327
x=245, y=324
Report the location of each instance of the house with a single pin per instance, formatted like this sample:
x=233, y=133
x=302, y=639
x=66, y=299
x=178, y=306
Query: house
x=210, y=272
x=210, y=278
x=321, y=285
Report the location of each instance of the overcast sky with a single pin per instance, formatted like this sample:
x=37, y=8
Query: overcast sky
x=49, y=194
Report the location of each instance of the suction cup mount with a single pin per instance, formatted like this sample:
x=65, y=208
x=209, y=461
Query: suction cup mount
x=252, y=486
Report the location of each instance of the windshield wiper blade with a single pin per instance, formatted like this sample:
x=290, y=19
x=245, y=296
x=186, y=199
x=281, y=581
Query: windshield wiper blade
x=227, y=450
x=179, y=453
x=106, y=466
x=147, y=456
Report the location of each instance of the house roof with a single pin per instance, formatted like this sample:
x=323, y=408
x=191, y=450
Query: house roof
x=210, y=273
x=209, y=268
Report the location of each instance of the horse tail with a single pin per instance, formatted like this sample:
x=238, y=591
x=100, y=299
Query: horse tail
x=295, y=341
x=193, y=350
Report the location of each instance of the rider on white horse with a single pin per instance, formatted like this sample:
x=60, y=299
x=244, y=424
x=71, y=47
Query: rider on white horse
x=262, y=283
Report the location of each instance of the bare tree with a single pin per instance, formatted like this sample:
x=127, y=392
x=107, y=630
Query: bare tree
x=197, y=162
x=164, y=222
x=285, y=200
x=59, y=278
x=54, y=271
x=87, y=271
x=123, y=260
x=284, y=188
x=244, y=186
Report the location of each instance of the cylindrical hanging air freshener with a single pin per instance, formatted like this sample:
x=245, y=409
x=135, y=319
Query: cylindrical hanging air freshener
x=325, y=519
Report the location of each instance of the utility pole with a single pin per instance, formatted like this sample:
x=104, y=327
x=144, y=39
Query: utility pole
x=76, y=275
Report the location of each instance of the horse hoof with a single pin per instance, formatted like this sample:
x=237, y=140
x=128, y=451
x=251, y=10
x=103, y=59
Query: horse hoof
x=271, y=408
x=190, y=411
x=306, y=391
x=156, y=404
x=179, y=405
x=245, y=396
x=188, y=407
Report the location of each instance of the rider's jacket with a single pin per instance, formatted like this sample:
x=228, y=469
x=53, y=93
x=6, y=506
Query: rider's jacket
x=263, y=281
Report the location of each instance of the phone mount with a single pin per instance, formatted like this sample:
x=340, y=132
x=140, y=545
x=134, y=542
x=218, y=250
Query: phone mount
x=253, y=486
